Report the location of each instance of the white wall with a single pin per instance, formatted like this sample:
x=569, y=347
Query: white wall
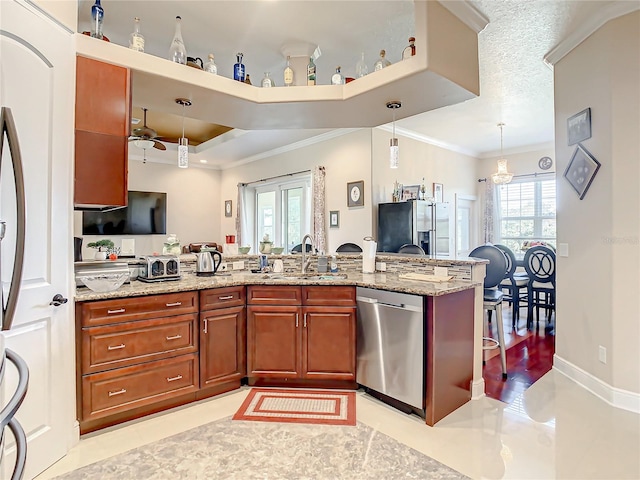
x=193, y=206
x=598, y=283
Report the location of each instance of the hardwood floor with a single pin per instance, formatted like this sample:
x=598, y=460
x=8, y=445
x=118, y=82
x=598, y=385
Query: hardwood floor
x=529, y=357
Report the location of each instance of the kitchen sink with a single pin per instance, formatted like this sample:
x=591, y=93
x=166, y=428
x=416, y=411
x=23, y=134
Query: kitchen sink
x=305, y=276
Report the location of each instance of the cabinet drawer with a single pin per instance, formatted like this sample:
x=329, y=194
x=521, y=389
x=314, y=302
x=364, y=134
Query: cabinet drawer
x=122, y=389
x=329, y=295
x=222, y=298
x=118, y=310
x=274, y=295
x=123, y=344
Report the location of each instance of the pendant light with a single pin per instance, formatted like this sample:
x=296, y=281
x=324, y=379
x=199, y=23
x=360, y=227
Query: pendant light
x=183, y=143
x=502, y=176
x=394, y=151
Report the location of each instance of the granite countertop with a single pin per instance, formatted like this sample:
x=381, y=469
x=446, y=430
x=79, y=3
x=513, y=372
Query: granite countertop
x=189, y=281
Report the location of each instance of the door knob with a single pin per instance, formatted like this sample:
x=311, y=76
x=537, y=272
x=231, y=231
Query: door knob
x=58, y=300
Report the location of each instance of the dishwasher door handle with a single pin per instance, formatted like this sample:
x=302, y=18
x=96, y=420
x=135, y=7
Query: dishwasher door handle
x=394, y=305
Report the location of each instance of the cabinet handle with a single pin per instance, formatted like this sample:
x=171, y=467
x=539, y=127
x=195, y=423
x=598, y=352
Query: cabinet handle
x=118, y=392
x=296, y=320
x=119, y=310
x=174, y=304
x=205, y=325
x=175, y=337
x=305, y=320
x=173, y=379
x=226, y=297
x=115, y=347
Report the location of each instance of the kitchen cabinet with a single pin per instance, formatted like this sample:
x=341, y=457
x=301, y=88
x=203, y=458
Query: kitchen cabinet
x=135, y=356
x=103, y=118
x=301, y=335
x=223, y=357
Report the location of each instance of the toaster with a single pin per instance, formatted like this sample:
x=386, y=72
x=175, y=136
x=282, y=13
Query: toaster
x=158, y=268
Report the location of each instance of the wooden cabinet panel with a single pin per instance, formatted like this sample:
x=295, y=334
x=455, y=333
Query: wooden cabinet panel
x=222, y=298
x=329, y=295
x=273, y=341
x=274, y=295
x=100, y=174
x=103, y=312
x=329, y=343
x=103, y=97
x=120, y=345
x=222, y=346
x=118, y=390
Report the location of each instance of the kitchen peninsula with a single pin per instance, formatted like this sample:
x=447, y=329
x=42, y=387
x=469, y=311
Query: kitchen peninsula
x=200, y=334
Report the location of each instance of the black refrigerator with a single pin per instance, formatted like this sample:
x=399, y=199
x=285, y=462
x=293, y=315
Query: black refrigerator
x=416, y=222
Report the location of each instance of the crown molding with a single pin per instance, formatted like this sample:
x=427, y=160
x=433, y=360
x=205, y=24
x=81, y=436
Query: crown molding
x=468, y=14
x=431, y=141
x=591, y=24
x=523, y=149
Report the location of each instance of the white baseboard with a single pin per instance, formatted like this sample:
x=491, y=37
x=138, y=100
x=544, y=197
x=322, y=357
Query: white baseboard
x=477, y=389
x=616, y=397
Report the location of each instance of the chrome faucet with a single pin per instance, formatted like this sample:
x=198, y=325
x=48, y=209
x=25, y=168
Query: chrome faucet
x=306, y=261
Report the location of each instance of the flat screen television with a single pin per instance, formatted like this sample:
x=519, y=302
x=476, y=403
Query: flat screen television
x=145, y=214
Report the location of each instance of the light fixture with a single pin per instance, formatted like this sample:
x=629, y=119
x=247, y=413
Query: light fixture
x=183, y=143
x=502, y=176
x=144, y=144
x=394, y=151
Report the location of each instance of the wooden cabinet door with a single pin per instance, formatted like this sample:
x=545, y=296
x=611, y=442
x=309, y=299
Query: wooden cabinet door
x=273, y=338
x=329, y=343
x=222, y=346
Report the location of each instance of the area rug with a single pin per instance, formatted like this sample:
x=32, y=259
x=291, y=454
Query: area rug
x=325, y=407
x=228, y=449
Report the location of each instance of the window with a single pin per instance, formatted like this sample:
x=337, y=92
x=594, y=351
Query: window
x=527, y=212
x=283, y=210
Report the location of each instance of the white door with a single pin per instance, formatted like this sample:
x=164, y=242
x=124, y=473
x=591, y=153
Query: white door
x=37, y=81
x=466, y=225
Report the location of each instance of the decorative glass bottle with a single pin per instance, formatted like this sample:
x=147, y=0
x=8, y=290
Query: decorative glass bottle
x=238, y=68
x=337, y=78
x=361, y=67
x=266, y=81
x=136, y=39
x=410, y=50
x=210, y=65
x=382, y=62
x=97, y=16
x=288, y=73
x=311, y=72
x=177, y=51
x=247, y=80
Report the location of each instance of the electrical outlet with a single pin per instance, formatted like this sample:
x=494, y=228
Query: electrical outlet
x=239, y=265
x=223, y=267
x=381, y=266
x=602, y=354
x=440, y=271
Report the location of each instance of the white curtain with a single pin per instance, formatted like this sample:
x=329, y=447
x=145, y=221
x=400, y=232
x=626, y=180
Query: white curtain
x=319, y=220
x=489, y=216
x=242, y=227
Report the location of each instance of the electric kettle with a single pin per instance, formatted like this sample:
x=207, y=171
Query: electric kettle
x=208, y=262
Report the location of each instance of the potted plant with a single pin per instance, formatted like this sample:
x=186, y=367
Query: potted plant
x=102, y=247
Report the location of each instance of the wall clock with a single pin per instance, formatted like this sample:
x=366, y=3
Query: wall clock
x=545, y=163
x=355, y=194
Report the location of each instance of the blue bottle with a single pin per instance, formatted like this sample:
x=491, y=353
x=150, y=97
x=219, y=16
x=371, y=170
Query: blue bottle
x=97, y=15
x=238, y=69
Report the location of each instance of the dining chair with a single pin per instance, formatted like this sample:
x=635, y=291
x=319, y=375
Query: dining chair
x=492, y=298
x=298, y=248
x=411, y=249
x=349, y=248
x=540, y=265
x=514, y=282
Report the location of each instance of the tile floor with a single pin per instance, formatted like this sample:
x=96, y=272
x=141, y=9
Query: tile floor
x=555, y=429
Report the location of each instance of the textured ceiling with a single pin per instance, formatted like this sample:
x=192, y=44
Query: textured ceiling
x=516, y=87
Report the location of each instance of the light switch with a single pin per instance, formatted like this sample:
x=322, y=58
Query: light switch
x=563, y=249
x=440, y=271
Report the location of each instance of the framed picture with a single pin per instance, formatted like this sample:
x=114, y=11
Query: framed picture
x=579, y=127
x=438, y=192
x=334, y=218
x=228, y=206
x=581, y=170
x=410, y=192
x=355, y=194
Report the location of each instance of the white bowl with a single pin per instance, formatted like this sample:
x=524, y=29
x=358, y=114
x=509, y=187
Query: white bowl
x=105, y=282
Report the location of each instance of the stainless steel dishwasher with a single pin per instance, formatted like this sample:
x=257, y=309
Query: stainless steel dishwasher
x=390, y=345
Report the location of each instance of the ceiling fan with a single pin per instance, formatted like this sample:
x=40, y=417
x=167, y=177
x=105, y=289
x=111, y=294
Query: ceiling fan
x=145, y=137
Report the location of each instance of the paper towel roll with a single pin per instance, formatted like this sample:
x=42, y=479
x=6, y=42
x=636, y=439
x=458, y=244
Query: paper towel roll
x=369, y=255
